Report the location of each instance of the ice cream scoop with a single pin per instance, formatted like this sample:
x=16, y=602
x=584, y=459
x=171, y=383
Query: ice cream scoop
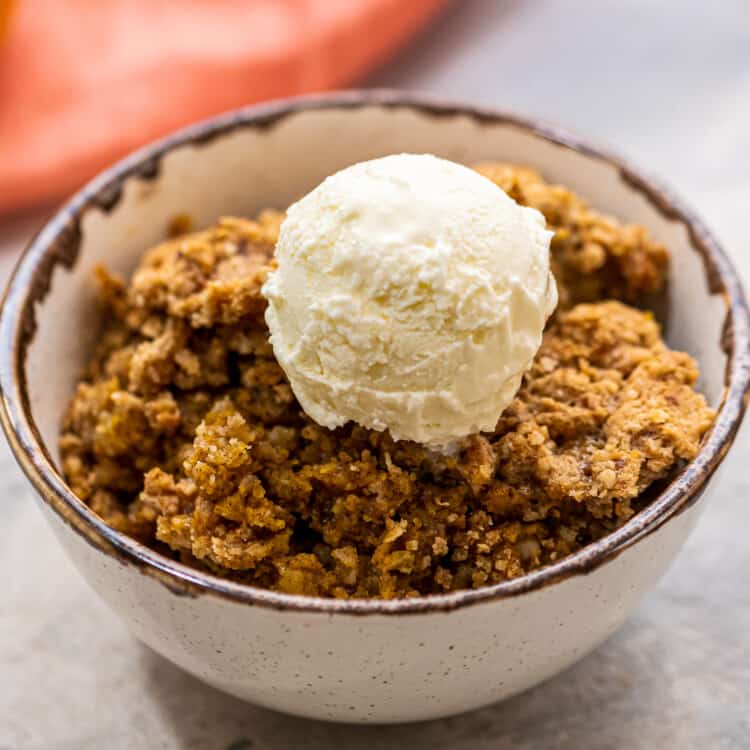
x=410, y=295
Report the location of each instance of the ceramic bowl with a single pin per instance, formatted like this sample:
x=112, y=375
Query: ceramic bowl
x=361, y=660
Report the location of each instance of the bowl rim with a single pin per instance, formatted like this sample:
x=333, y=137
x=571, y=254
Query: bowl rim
x=51, y=246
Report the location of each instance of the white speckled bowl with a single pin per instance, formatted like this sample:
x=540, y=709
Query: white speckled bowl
x=351, y=660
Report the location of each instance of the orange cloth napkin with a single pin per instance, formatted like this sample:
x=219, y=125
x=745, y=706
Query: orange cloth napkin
x=84, y=81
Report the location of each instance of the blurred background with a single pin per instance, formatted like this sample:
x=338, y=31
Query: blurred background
x=666, y=83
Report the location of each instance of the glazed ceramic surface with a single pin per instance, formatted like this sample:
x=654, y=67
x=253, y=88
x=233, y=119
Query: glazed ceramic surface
x=363, y=660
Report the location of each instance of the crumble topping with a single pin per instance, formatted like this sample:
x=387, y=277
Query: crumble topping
x=185, y=434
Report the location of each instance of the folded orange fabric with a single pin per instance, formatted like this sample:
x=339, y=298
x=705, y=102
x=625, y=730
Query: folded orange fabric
x=84, y=81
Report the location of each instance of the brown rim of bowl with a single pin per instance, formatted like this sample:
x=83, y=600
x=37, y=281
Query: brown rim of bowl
x=56, y=244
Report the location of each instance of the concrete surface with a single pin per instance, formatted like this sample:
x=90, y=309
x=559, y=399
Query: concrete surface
x=665, y=82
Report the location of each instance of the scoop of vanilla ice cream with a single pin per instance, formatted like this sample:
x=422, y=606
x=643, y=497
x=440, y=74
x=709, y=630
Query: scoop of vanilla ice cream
x=411, y=295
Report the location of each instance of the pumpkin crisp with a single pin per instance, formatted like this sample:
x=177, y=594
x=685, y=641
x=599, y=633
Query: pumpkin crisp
x=185, y=434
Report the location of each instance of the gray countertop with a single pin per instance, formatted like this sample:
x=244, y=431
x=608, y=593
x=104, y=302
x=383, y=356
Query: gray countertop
x=668, y=83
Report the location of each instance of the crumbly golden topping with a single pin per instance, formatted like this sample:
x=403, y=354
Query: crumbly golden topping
x=593, y=256
x=185, y=434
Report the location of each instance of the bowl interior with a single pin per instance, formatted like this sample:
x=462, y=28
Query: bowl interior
x=250, y=166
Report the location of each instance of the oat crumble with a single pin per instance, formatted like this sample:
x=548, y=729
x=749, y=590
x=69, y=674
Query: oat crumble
x=185, y=434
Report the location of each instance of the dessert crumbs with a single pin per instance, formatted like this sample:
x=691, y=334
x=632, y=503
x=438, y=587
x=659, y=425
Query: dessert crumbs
x=185, y=434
